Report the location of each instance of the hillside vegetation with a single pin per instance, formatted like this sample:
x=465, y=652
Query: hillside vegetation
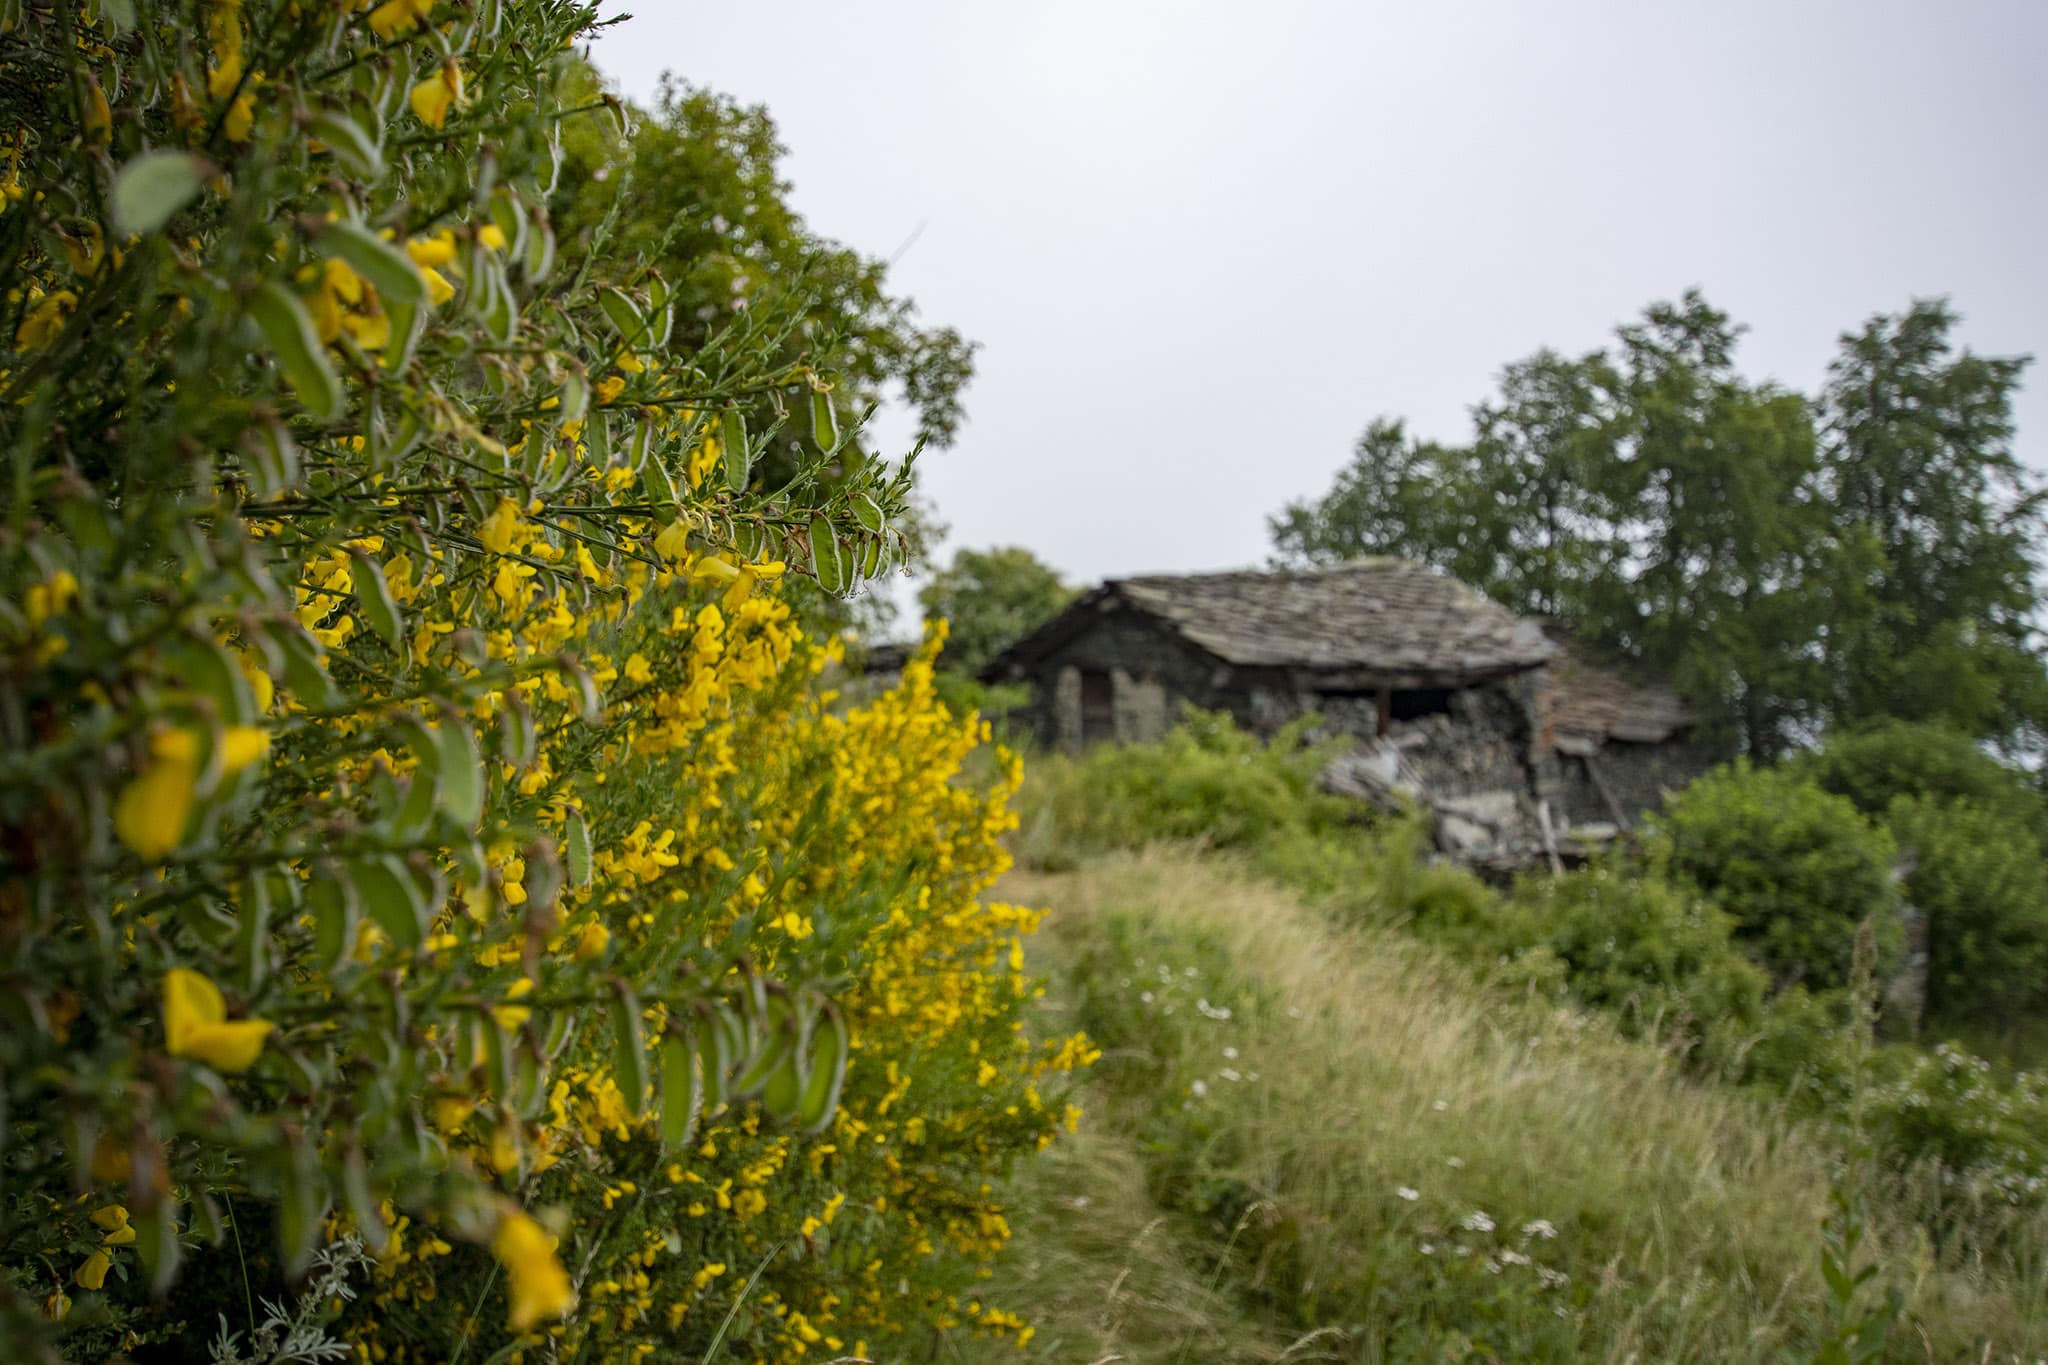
x=1314, y=1140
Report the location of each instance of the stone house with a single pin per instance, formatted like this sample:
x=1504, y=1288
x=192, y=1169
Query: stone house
x=1520, y=746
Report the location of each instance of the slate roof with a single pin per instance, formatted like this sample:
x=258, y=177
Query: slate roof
x=1369, y=617
x=1589, y=705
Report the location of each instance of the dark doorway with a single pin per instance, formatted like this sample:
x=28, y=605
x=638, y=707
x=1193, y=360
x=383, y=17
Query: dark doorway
x=1098, y=706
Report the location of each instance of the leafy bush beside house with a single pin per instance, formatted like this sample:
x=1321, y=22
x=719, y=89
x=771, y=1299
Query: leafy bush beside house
x=1796, y=868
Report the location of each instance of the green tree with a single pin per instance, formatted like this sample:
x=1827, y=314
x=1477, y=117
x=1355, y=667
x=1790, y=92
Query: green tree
x=1711, y=494
x=1917, y=451
x=991, y=598
x=1397, y=496
x=696, y=188
x=1652, y=501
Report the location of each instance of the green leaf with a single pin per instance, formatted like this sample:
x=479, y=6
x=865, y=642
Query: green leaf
x=304, y=673
x=629, y=1048
x=576, y=848
x=681, y=1090
x=739, y=461
x=505, y=215
x=255, y=905
x=783, y=1090
x=497, y=1057
x=301, y=1206
x=387, y=889
x=711, y=1039
x=408, y=322
x=152, y=187
x=824, y=422
x=416, y=812
x=204, y=667
x=774, y=1040
x=379, y=607
x=156, y=1240
x=396, y=278
x=540, y=251
x=270, y=459
x=288, y=329
x=459, y=773
x=332, y=902
x=575, y=397
x=362, y=1204
x=624, y=314
x=350, y=144
x=831, y=1047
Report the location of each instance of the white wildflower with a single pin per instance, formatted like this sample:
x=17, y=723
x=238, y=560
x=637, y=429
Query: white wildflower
x=1230, y=1054
x=1411, y=1195
x=1541, y=1227
x=1199, y=1089
x=1230, y=1074
x=1456, y=1163
x=1476, y=1221
x=1513, y=1258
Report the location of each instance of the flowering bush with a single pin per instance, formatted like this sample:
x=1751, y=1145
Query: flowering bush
x=421, y=822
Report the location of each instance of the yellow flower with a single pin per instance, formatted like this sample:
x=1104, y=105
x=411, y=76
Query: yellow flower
x=433, y=97
x=50, y=598
x=151, y=812
x=439, y=291
x=99, y=127
x=241, y=117
x=428, y=252
x=83, y=249
x=114, y=1219
x=592, y=941
x=93, y=1274
x=491, y=237
x=514, y=1016
x=45, y=320
x=500, y=527
x=538, y=1286
x=395, y=18
x=673, y=541
x=196, y=1024
x=241, y=745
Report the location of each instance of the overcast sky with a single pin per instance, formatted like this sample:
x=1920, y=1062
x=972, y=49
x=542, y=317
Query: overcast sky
x=1202, y=245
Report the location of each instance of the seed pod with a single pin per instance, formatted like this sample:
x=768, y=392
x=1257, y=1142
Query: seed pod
x=829, y=559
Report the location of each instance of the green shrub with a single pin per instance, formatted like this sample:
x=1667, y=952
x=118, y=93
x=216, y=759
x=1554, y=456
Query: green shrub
x=1987, y=1135
x=1798, y=869
x=1876, y=766
x=1655, y=953
x=1981, y=881
x=1206, y=782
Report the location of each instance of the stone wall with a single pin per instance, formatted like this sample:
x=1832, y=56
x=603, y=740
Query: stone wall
x=1638, y=776
x=1151, y=672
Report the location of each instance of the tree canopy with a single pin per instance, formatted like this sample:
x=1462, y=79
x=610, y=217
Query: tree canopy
x=991, y=597
x=1790, y=562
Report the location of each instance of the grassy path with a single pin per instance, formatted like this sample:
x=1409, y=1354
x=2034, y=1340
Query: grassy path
x=1308, y=1142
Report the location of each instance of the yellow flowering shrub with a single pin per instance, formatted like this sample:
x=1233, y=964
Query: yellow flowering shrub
x=423, y=820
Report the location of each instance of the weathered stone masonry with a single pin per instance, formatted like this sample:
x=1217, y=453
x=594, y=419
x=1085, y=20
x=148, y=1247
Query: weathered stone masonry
x=1453, y=700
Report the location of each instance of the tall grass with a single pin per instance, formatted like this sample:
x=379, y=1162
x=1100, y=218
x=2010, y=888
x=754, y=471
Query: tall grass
x=1309, y=1140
